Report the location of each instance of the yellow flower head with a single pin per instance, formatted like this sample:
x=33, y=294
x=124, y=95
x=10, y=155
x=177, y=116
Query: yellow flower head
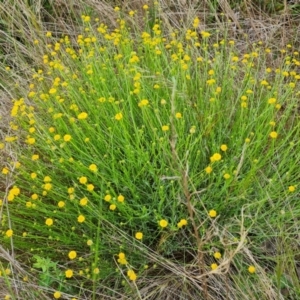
x=81, y=219
x=57, y=295
x=163, y=223
x=119, y=116
x=122, y=259
x=61, y=204
x=181, y=223
x=178, y=115
x=292, y=188
x=139, y=235
x=273, y=134
x=90, y=187
x=143, y=102
x=9, y=233
x=93, y=168
x=224, y=147
x=69, y=273
x=67, y=137
x=251, y=269
x=208, y=169
x=83, y=180
x=49, y=222
x=82, y=116
x=216, y=157
x=131, y=274
x=112, y=207
x=72, y=254
x=83, y=201
x=107, y=198
x=212, y=213
x=121, y=198
x=226, y=176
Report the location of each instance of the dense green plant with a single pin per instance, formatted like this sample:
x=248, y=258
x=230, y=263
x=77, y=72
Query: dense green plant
x=149, y=152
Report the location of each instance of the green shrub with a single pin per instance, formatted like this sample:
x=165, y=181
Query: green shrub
x=143, y=153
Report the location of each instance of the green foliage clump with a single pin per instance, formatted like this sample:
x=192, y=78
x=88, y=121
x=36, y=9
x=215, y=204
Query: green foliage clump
x=138, y=148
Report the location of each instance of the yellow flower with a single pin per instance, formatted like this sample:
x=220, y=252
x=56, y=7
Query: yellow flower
x=264, y=82
x=121, y=198
x=15, y=191
x=119, y=116
x=83, y=180
x=112, y=207
x=48, y=186
x=205, y=34
x=208, y=169
x=212, y=213
x=196, y=22
x=143, y=102
x=81, y=219
x=218, y=90
x=216, y=157
x=226, y=176
x=47, y=179
x=292, y=188
x=224, y=147
x=214, y=266
x=93, y=168
x=34, y=196
x=5, y=171
x=61, y=204
x=217, y=255
x=89, y=242
x=49, y=222
x=71, y=190
x=273, y=134
x=35, y=157
x=182, y=222
x=272, y=100
x=83, y=201
x=122, y=259
x=30, y=141
x=251, y=269
x=107, y=198
x=67, y=137
x=139, y=235
x=82, y=116
x=193, y=129
x=57, y=295
x=48, y=34
x=165, y=128
x=69, y=273
x=72, y=254
x=52, y=91
x=90, y=187
x=131, y=274
x=9, y=233
x=163, y=223
x=178, y=115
